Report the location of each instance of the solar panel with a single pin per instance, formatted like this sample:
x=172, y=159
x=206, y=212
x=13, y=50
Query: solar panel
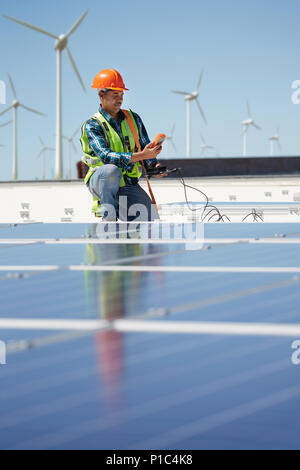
x=162, y=343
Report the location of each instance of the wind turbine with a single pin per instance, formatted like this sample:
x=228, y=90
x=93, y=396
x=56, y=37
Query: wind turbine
x=204, y=146
x=169, y=138
x=188, y=97
x=43, y=153
x=71, y=146
x=60, y=44
x=273, y=139
x=246, y=124
x=15, y=105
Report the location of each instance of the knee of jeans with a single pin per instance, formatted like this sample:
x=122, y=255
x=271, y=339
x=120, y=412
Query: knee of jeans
x=111, y=172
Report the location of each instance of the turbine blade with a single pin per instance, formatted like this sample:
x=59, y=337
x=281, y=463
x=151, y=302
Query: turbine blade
x=173, y=129
x=77, y=130
x=75, y=68
x=40, y=153
x=245, y=129
x=181, y=92
x=199, y=81
x=201, y=111
x=255, y=125
x=64, y=137
x=173, y=145
x=5, y=123
x=31, y=26
x=1, y=145
x=32, y=110
x=41, y=141
x=279, y=145
x=4, y=111
x=249, y=110
x=202, y=138
x=76, y=24
x=12, y=87
x=74, y=148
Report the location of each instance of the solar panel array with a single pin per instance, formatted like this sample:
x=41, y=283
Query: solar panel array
x=133, y=343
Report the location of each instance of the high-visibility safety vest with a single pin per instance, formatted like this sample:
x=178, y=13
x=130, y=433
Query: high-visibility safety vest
x=116, y=144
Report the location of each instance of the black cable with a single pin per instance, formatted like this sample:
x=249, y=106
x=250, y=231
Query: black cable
x=206, y=206
x=255, y=215
x=214, y=209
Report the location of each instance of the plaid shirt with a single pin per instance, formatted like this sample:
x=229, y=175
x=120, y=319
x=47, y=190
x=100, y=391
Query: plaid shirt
x=100, y=147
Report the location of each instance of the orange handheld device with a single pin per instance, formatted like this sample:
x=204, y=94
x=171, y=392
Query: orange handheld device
x=159, y=139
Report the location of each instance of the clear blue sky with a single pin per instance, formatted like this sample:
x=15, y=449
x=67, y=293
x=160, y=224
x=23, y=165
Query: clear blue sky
x=248, y=50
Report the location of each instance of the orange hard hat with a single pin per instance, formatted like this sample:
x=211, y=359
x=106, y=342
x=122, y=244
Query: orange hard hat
x=109, y=78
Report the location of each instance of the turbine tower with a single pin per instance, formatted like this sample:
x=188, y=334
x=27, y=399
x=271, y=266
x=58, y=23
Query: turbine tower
x=60, y=44
x=188, y=97
x=169, y=138
x=71, y=146
x=15, y=105
x=273, y=139
x=246, y=124
x=204, y=146
x=43, y=153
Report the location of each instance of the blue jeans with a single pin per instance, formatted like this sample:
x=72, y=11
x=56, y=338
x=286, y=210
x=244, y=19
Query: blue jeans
x=127, y=203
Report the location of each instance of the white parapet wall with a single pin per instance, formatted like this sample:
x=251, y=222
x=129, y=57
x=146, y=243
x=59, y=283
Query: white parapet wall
x=44, y=201
x=70, y=201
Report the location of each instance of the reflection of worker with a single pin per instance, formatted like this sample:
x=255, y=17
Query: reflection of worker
x=109, y=295
x=118, y=294
x=111, y=152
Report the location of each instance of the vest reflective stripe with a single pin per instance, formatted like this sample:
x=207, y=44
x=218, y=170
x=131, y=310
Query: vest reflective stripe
x=116, y=144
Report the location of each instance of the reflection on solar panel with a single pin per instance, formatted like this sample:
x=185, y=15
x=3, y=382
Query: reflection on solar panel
x=120, y=341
